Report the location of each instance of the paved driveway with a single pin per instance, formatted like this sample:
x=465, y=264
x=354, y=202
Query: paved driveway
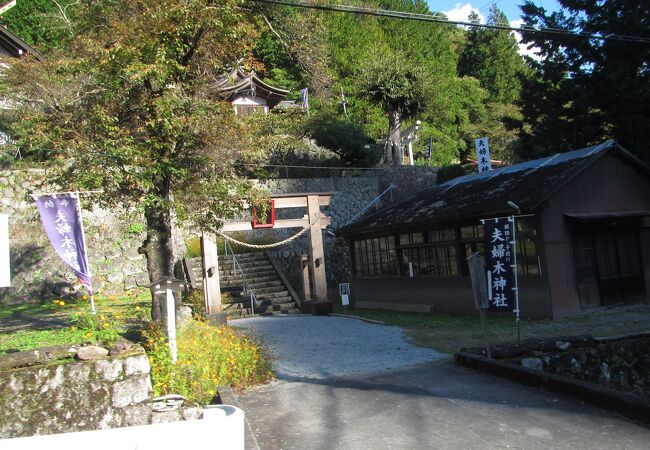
x=430, y=405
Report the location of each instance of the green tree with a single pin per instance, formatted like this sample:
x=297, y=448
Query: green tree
x=492, y=57
x=402, y=89
x=44, y=24
x=127, y=104
x=586, y=90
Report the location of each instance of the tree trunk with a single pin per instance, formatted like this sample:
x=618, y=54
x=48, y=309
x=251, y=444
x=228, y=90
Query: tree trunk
x=158, y=250
x=393, y=150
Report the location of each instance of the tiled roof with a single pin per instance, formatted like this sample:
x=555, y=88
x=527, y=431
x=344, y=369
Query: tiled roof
x=482, y=195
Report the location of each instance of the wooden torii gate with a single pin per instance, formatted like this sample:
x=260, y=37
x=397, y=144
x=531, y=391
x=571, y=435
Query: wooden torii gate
x=314, y=221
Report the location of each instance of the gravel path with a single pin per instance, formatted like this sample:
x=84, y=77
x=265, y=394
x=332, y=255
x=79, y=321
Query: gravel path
x=320, y=347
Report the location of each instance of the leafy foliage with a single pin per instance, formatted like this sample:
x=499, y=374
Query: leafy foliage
x=208, y=357
x=587, y=90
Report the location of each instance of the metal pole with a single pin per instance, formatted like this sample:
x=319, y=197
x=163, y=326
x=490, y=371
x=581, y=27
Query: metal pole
x=513, y=220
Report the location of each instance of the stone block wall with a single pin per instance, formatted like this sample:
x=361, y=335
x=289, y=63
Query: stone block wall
x=621, y=364
x=37, y=273
x=75, y=396
x=114, y=236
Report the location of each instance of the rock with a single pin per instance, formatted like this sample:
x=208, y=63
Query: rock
x=166, y=416
x=184, y=315
x=532, y=363
x=131, y=391
x=109, y=370
x=193, y=413
x=121, y=347
x=605, y=373
x=562, y=345
x=137, y=365
x=91, y=352
x=575, y=366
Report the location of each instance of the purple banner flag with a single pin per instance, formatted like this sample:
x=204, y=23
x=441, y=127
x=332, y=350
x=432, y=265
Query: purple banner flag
x=61, y=217
x=499, y=263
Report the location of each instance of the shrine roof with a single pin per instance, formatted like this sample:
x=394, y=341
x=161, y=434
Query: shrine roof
x=480, y=195
x=238, y=83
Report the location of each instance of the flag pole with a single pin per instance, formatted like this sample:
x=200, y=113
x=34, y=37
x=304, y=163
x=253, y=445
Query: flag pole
x=83, y=239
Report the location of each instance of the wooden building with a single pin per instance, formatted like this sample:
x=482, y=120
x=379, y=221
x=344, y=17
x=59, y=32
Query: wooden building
x=583, y=237
x=248, y=93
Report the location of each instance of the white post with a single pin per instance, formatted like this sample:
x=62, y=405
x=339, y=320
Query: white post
x=171, y=324
x=5, y=260
x=513, y=221
x=411, y=153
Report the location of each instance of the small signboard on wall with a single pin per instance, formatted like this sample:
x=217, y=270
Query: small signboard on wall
x=5, y=269
x=344, y=291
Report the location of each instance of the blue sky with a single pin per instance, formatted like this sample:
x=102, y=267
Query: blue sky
x=460, y=9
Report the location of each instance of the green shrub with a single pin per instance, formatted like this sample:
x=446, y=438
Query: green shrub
x=208, y=357
x=193, y=245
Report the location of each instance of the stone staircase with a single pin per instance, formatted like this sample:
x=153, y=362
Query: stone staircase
x=272, y=296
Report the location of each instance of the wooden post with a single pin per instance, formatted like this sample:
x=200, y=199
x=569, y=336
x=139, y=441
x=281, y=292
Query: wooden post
x=316, y=253
x=211, y=285
x=305, y=277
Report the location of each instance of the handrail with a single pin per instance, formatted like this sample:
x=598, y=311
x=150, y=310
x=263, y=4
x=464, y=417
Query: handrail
x=235, y=265
x=392, y=186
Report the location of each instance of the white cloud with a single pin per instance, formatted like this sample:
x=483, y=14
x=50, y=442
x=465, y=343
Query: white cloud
x=461, y=12
x=523, y=48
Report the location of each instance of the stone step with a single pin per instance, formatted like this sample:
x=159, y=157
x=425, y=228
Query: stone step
x=237, y=295
x=257, y=279
x=249, y=272
x=227, y=263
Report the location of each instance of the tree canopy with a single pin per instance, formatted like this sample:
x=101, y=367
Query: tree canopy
x=127, y=103
x=587, y=90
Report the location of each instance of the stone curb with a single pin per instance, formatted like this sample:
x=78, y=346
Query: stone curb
x=228, y=397
x=626, y=404
x=348, y=316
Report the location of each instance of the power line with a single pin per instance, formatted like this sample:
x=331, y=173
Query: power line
x=444, y=20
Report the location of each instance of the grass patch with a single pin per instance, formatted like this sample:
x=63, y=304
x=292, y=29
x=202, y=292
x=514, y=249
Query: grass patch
x=68, y=321
x=29, y=340
x=449, y=333
x=26, y=309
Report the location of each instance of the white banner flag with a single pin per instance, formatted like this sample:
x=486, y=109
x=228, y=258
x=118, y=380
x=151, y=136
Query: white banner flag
x=483, y=154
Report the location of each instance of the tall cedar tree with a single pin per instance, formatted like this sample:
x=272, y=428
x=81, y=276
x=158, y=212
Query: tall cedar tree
x=587, y=90
x=127, y=105
x=492, y=57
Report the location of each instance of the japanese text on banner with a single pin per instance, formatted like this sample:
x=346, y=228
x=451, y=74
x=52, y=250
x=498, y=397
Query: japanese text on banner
x=498, y=263
x=62, y=223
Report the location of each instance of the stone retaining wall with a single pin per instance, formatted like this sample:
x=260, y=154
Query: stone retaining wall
x=618, y=364
x=113, y=236
x=75, y=396
x=37, y=272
